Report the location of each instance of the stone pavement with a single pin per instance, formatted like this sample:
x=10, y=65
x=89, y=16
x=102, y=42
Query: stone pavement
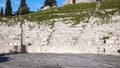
x=58, y=61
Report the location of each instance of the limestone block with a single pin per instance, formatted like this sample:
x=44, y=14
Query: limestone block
x=77, y=1
x=46, y=7
x=11, y=44
x=90, y=43
x=19, y=44
x=111, y=51
x=110, y=41
x=101, y=49
x=117, y=41
x=33, y=49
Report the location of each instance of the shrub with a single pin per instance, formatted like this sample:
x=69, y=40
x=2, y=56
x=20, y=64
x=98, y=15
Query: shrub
x=8, y=9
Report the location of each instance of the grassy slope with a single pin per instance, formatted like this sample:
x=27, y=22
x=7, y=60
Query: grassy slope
x=76, y=12
x=73, y=11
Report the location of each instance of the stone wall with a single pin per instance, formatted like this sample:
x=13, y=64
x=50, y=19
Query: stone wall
x=82, y=1
x=77, y=1
x=10, y=35
x=95, y=37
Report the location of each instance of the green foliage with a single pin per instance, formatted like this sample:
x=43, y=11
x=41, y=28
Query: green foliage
x=22, y=3
x=74, y=12
x=50, y=3
x=105, y=38
x=110, y=5
x=108, y=8
x=8, y=9
x=1, y=12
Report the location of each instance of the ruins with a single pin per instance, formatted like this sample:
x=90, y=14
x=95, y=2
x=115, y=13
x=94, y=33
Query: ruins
x=76, y=1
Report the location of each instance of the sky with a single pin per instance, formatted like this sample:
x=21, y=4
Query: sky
x=34, y=5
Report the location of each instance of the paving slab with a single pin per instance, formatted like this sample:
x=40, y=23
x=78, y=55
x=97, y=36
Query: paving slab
x=27, y=60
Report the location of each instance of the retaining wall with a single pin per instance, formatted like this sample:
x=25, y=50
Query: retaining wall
x=62, y=38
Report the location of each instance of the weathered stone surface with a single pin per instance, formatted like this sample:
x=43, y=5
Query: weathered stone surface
x=77, y=1
x=46, y=7
x=110, y=41
x=63, y=38
x=10, y=35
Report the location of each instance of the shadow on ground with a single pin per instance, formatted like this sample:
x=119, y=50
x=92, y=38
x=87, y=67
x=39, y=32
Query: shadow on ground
x=3, y=58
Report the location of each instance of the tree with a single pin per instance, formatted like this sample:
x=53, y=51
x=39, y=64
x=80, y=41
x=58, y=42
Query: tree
x=8, y=9
x=1, y=12
x=50, y=3
x=23, y=9
x=74, y=1
x=22, y=3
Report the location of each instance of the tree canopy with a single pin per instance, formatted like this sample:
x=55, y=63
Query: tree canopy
x=8, y=9
x=23, y=9
x=50, y=3
x=1, y=12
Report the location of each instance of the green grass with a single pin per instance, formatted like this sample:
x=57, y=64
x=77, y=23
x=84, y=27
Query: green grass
x=110, y=5
x=10, y=20
x=66, y=11
x=105, y=38
x=76, y=12
x=72, y=10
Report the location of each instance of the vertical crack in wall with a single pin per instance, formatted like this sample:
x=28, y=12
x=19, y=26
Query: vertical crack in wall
x=21, y=26
x=50, y=36
x=48, y=40
x=23, y=47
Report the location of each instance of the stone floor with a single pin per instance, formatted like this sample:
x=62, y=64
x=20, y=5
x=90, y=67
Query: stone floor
x=58, y=61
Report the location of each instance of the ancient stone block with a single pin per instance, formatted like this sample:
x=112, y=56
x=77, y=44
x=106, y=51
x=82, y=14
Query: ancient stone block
x=46, y=7
x=77, y=1
x=110, y=41
x=100, y=49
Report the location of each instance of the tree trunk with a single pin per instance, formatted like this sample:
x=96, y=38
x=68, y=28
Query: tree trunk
x=74, y=1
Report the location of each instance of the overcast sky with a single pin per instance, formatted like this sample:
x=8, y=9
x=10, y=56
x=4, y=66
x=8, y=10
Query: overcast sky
x=33, y=4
